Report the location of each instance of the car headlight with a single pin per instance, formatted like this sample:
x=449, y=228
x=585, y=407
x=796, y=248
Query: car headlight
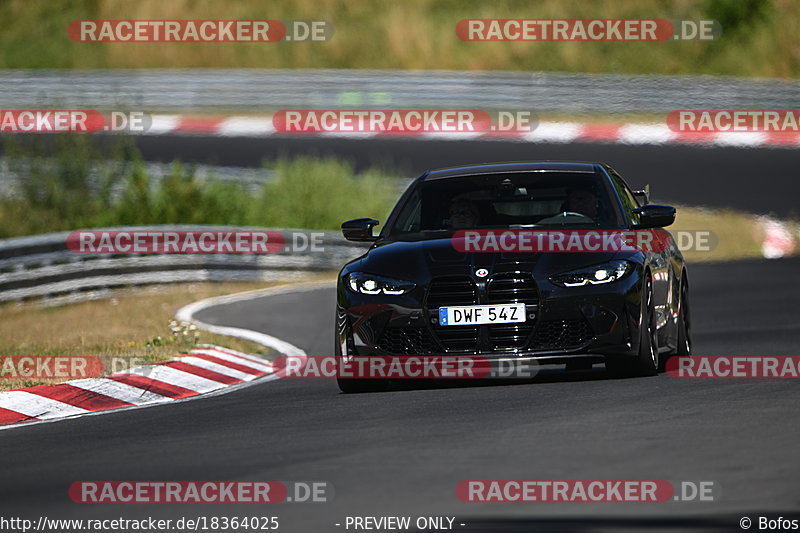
x=596, y=275
x=370, y=284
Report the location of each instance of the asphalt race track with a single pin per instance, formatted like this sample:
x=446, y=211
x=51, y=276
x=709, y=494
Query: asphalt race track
x=756, y=180
x=404, y=451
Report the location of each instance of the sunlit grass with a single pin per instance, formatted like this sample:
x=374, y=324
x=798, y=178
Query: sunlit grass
x=69, y=186
x=736, y=235
x=133, y=327
x=759, y=37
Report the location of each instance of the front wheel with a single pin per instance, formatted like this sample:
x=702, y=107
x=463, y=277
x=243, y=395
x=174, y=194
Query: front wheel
x=646, y=361
x=683, y=345
x=684, y=324
x=351, y=385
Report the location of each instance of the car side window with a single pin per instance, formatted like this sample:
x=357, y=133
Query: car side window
x=629, y=202
x=409, y=219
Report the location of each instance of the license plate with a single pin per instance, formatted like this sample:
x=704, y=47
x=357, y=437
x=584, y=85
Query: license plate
x=481, y=314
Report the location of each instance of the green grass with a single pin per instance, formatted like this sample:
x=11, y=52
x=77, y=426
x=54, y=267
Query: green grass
x=759, y=36
x=71, y=189
x=130, y=329
x=735, y=235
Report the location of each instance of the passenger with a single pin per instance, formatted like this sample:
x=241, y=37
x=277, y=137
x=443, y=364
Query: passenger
x=464, y=214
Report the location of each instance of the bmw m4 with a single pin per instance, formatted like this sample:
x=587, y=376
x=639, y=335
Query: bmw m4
x=441, y=278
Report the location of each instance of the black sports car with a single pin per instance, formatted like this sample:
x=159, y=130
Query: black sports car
x=420, y=291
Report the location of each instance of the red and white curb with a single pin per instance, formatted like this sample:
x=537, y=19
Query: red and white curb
x=778, y=240
x=205, y=371
x=545, y=132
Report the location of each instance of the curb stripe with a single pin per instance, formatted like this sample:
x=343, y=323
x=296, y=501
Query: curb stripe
x=179, y=378
x=241, y=355
x=783, y=139
x=91, y=401
x=652, y=133
x=211, y=370
x=208, y=369
x=778, y=238
x=222, y=379
x=215, y=367
x=247, y=370
x=750, y=138
x=226, y=359
x=158, y=387
x=7, y=416
x=162, y=124
x=118, y=391
x=560, y=132
x=246, y=127
x=37, y=406
x=599, y=132
x=194, y=124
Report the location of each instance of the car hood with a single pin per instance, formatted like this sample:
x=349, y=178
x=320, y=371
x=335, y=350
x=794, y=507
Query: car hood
x=434, y=257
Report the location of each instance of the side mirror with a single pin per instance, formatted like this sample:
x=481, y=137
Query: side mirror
x=655, y=216
x=359, y=230
x=643, y=194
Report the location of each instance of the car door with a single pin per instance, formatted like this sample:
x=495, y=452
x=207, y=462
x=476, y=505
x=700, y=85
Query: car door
x=658, y=259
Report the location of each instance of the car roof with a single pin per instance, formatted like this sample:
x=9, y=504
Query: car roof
x=511, y=167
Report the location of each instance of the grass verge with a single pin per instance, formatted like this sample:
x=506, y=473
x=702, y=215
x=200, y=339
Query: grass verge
x=132, y=327
x=734, y=235
x=759, y=36
x=74, y=183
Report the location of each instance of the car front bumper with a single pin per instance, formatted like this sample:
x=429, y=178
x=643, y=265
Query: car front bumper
x=562, y=324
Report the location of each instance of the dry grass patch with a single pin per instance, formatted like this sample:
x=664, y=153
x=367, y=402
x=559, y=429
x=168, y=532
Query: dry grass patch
x=131, y=327
x=736, y=235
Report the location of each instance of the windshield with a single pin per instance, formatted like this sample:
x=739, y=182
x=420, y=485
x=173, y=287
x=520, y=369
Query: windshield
x=526, y=199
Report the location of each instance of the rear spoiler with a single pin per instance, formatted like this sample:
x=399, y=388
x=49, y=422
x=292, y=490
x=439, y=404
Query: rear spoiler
x=643, y=195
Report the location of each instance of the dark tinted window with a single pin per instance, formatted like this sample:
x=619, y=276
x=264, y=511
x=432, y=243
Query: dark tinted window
x=512, y=199
x=629, y=201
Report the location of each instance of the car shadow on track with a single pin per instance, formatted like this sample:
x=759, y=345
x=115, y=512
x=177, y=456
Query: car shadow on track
x=554, y=374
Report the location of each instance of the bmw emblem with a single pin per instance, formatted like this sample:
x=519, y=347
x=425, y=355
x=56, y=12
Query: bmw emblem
x=481, y=272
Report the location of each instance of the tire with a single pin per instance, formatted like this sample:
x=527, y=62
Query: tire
x=645, y=363
x=683, y=342
x=356, y=385
x=684, y=323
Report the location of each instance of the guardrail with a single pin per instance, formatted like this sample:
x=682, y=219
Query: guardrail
x=43, y=267
x=253, y=90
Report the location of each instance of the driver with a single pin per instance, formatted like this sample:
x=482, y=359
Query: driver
x=463, y=214
x=582, y=201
